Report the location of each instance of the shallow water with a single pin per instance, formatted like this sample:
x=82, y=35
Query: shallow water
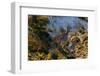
x=57, y=22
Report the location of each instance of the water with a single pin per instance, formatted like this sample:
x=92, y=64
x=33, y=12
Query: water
x=57, y=22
